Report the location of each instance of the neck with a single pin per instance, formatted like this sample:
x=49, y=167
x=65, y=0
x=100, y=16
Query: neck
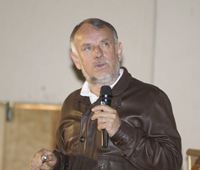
x=97, y=87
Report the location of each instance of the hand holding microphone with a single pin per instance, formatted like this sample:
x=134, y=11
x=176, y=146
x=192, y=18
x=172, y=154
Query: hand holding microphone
x=107, y=117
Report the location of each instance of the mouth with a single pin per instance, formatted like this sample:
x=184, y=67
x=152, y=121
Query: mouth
x=100, y=65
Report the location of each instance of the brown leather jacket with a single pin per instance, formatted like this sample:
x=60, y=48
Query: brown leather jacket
x=146, y=140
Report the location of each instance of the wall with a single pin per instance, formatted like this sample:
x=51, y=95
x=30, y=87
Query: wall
x=161, y=46
x=2, y=133
x=35, y=66
x=34, y=40
x=177, y=65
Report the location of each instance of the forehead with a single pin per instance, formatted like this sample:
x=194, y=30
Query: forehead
x=88, y=32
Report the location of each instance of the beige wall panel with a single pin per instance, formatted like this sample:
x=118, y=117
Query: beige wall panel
x=28, y=131
x=2, y=129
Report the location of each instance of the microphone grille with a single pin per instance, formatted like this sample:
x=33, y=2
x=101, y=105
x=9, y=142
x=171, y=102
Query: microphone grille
x=106, y=90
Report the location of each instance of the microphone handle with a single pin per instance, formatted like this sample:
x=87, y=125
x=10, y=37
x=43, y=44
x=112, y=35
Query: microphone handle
x=104, y=138
x=104, y=133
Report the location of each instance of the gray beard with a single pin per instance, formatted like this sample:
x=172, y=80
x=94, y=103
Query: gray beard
x=108, y=79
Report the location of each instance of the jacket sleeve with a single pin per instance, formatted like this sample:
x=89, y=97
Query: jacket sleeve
x=154, y=145
x=62, y=161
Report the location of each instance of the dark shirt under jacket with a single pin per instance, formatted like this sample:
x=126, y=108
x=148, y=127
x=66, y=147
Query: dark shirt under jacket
x=146, y=140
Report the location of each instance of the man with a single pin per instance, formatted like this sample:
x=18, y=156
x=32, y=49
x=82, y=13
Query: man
x=140, y=122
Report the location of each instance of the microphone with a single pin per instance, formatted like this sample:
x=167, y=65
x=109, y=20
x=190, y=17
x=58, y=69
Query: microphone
x=106, y=97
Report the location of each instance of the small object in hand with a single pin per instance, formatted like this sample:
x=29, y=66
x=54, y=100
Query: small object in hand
x=44, y=158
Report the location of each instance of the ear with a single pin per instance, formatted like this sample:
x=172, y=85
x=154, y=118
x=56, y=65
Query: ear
x=75, y=58
x=119, y=50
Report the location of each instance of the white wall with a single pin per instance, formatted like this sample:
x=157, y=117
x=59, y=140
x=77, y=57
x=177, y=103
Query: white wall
x=34, y=40
x=177, y=65
x=34, y=50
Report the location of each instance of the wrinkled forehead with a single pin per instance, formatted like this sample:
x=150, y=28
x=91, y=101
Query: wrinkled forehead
x=88, y=32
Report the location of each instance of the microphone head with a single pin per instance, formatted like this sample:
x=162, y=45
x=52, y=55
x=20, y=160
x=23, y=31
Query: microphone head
x=106, y=95
x=106, y=90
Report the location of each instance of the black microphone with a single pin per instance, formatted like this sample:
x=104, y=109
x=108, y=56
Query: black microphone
x=106, y=97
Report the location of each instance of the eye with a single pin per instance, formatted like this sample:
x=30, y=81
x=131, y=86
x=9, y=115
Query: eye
x=88, y=48
x=105, y=44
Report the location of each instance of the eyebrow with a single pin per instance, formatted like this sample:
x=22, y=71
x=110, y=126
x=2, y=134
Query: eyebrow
x=106, y=39
x=88, y=44
x=85, y=45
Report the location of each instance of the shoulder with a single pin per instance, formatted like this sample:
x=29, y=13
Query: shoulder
x=73, y=96
x=145, y=94
x=69, y=104
x=130, y=87
x=146, y=87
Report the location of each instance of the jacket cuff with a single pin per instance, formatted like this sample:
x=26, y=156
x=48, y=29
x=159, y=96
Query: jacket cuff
x=62, y=161
x=123, y=137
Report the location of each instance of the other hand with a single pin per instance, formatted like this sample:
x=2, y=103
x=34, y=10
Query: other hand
x=36, y=161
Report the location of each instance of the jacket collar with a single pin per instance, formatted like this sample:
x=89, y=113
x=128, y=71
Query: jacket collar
x=123, y=83
x=85, y=91
x=117, y=90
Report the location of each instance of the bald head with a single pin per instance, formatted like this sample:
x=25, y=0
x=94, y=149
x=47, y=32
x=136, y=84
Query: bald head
x=96, y=23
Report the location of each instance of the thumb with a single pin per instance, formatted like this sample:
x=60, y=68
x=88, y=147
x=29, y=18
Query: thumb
x=50, y=158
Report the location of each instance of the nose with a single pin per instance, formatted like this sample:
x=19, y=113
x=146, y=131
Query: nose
x=98, y=52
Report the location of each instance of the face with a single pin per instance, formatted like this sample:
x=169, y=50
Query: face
x=96, y=54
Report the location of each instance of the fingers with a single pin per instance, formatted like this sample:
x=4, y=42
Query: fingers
x=104, y=119
x=103, y=116
x=36, y=161
x=35, y=166
x=107, y=118
x=101, y=108
x=50, y=157
x=104, y=125
x=103, y=111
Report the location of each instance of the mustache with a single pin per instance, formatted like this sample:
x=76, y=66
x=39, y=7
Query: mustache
x=100, y=61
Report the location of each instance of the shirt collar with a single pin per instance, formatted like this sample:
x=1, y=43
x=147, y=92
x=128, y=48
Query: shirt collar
x=85, y=91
